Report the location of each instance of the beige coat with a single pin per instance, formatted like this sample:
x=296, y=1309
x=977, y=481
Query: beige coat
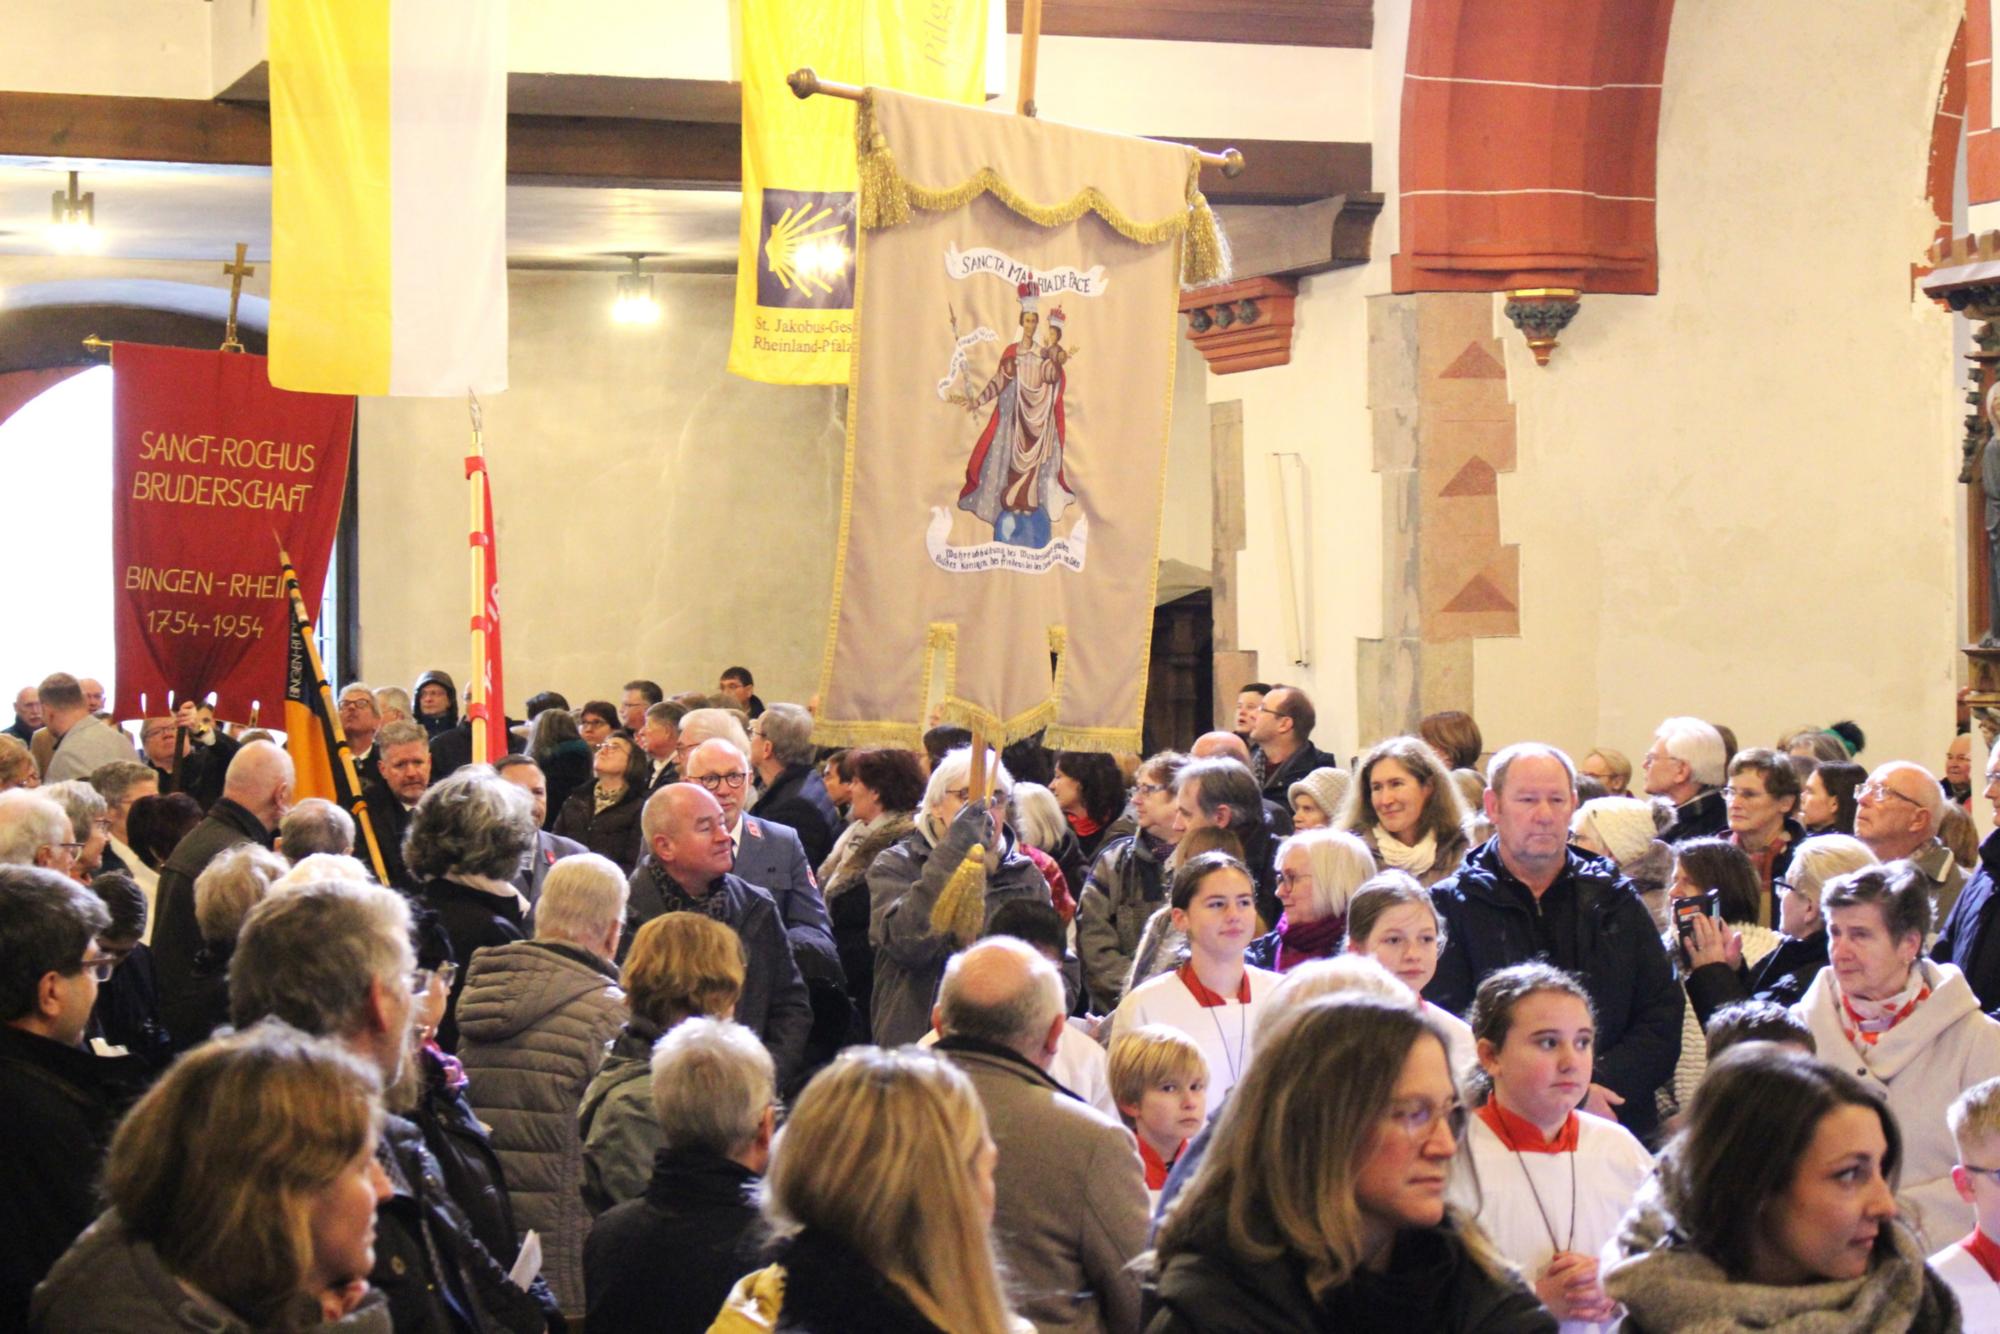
x=1071, y=1212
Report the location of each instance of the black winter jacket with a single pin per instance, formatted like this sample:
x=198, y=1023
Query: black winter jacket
x=612, y=832
x=430, y=1265
x=831, y=1290
x=798, y=800
x=472, y=1174
x=1432, y=1284
x=176, y=936
x=470, y=919
x=1967, y=937
x=59, y=1105
x=1601, y=931
x=1781, y=976
x=664, y=1263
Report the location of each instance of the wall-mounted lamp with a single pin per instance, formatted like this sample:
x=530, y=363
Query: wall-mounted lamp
x=73, y=220
x=636, y=303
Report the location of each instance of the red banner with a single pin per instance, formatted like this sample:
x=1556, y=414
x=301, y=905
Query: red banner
x=488, y=703
x=212, y=470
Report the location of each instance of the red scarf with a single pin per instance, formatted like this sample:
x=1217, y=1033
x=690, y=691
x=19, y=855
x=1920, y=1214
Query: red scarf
x=1524, y=1136
x=1082, y=823
x=1209, y=1000
x=1156, y=1171
x=1764, y=862
x=1985, y=1250
x=1300, y=941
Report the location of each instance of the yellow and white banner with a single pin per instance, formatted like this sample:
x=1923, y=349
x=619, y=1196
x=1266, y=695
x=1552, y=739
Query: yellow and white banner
x=389, y=196
x=1017, y=308
x=795, y=261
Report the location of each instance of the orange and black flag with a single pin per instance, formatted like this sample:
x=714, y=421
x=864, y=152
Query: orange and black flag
x=323, y=764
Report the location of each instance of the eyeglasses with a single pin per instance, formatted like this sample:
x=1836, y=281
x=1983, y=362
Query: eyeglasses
x=74, y=850
x=1415, y=1117
x=421, y=979
x=1747, y=793
x=1295, y=877
x=716, y=782
x=1873, y=789
x=99, y=967
x=1148, y=789
x=959, y=794
x=155, y=733
x=608, y=745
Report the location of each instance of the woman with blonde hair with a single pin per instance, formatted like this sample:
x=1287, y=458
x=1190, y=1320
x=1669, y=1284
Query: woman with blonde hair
x=681, y=965
x=1404, y=805
x=1320, y=1203
x=242, y=1193
x=881, y=1194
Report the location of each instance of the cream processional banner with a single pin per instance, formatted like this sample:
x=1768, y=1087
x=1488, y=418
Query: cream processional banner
x=1017, y=307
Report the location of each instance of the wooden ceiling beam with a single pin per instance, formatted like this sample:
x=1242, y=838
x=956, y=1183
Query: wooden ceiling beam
x=582, y=151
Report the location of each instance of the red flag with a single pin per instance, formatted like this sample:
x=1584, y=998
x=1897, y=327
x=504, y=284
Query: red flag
x=488, y=706
x=209, y=462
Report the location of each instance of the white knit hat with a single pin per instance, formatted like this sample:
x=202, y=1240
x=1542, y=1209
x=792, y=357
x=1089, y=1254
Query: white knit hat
x=1327, y=787
x=1624, y=825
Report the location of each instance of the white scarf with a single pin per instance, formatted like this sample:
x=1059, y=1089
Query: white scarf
x=1416, y=858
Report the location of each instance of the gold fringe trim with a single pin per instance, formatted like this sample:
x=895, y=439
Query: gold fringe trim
x=887, y=198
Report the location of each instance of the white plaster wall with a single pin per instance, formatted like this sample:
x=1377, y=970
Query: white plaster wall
x=137, y=48
x=1318, y=407
x=1198, y=89
x=1735, y=499
x=657, y=517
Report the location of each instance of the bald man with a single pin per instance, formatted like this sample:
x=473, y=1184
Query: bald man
x=1229, y=746
x=768, y=855
x=256, y=793
x=688, y=871
x=1896, y=813
x=1070, y=1210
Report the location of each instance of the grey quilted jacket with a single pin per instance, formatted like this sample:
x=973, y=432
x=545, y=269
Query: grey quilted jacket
x=533, y=1021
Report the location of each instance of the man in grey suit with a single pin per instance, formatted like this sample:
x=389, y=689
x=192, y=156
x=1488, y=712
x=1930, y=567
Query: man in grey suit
x=549, y=848
x=83, y=741
x=1071, y=1196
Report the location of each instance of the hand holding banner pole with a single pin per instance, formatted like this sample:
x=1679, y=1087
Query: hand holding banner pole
x=336, y=735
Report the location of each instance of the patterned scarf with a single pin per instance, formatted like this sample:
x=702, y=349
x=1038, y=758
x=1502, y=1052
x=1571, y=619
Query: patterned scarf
x=711, y=904
x=1865, y=1021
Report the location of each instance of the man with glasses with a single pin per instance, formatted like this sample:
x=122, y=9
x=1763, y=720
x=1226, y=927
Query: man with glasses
x=767, y=855
x=1896, y=813
x=360, y=719
x=333, y=959
x=1281, y=729
x=58, y=1100
x=157, y=738
x=688, y=839
x=35, y=831
x=1686, y=764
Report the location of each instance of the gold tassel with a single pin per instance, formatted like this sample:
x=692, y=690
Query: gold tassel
x=884, y=199
x=960, y=910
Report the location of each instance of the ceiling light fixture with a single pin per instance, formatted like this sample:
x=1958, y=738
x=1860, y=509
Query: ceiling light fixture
x=73, y=220
x=636, y=303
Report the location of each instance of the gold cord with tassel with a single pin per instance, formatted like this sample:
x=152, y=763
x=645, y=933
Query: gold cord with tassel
x=960, y=910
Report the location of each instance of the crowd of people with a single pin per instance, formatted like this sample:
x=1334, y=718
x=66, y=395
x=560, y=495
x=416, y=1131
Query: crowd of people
x=671, y=1020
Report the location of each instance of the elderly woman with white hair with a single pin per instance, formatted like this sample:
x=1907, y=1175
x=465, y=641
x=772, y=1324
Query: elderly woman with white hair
x=467, y=838
x=914, y=926
x=1318, y=871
